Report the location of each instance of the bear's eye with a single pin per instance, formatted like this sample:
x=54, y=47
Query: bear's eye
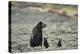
x=44, y=25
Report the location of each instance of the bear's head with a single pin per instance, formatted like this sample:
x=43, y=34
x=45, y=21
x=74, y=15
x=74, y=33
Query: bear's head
x=41, y=25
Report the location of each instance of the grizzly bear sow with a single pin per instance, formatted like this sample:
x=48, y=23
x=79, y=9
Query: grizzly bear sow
x=37, y=36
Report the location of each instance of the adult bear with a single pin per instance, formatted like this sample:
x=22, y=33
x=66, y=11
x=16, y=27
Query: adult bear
x=37, y=38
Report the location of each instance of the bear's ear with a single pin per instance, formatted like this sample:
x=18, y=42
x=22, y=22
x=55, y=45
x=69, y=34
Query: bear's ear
x=40, y=22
